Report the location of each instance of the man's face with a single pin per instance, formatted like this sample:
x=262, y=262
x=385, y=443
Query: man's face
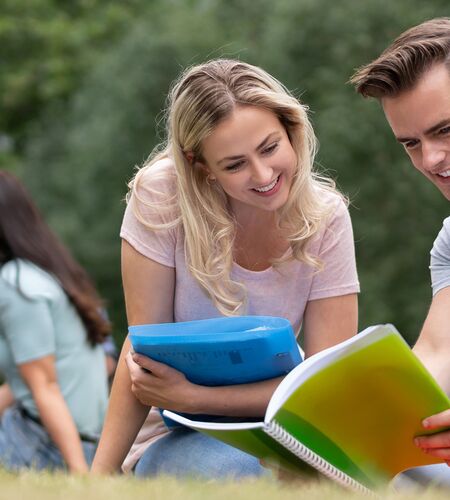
x=420, y=120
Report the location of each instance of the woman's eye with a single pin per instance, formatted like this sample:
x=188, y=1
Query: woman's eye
x=271, y=148
x=234, y=166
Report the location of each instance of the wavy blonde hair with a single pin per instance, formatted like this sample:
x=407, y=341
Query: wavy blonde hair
x=200, y=99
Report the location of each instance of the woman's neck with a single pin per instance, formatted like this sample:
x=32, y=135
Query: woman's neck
x=258, y=241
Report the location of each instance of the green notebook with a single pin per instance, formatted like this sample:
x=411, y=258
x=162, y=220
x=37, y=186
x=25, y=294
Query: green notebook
x=350, y=411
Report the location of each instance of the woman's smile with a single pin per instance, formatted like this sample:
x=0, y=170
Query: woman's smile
x=270, y=189
x=250, y=155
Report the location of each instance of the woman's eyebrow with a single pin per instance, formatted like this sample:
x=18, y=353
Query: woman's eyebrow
x=238, y=157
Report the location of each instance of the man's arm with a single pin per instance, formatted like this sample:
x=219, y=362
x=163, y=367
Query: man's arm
x=433, y=349
x=433, y=345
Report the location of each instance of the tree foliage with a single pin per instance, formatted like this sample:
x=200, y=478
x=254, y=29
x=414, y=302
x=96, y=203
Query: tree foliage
x=84, y=99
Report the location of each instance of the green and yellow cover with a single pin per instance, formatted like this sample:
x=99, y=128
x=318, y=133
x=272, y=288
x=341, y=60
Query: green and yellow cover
x=350, y=411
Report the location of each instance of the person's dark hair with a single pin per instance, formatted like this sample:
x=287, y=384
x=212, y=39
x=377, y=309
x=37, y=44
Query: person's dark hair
x=404, y=62
x=25, y=235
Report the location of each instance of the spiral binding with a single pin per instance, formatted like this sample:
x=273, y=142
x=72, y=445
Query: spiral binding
x=300, y=450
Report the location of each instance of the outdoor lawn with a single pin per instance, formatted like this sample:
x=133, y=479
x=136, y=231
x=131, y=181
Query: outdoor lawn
x=33, y=486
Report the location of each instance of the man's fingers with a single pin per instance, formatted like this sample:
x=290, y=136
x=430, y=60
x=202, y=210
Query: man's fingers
x=443, y=453
x=436, y=441
x=439, y=420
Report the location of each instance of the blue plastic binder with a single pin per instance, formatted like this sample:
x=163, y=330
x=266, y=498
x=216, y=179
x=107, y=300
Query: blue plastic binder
x=221, y=351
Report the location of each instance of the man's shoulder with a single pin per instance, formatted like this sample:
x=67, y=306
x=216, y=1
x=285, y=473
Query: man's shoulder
x=443, y=238
x=440, y=259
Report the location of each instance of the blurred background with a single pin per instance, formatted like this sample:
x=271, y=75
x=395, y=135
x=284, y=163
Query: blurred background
x=83, y=87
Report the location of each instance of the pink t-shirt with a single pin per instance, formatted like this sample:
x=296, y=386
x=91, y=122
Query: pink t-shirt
x=283, y=291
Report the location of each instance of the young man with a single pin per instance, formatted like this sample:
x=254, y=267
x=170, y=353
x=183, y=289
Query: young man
x=411, y=79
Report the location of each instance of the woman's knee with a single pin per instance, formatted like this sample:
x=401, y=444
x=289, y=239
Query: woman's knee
x=186, y=453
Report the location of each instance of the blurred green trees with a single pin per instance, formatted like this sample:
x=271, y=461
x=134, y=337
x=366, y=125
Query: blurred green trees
x=83, y=91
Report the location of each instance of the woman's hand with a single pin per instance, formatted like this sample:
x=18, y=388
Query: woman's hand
x=438, y=444
x=157, y=384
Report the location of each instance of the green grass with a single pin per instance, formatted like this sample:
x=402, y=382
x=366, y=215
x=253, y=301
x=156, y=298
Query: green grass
x=45, y=486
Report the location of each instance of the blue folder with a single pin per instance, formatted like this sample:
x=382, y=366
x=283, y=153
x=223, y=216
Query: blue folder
x=221, y=351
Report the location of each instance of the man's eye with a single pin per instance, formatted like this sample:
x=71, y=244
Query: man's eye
x=444, y=131
x=410, y=144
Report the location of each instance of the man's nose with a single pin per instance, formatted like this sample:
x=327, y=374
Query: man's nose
x=433, y=155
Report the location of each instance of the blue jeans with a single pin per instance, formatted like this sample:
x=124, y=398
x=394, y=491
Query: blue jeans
x=187, y=453
x=25, y=444
x=427, y=475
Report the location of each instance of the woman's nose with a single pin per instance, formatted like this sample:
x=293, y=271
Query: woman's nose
x=262, y=174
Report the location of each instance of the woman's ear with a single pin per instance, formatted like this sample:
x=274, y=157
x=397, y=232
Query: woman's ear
x=189, y=155
x=206, y=170
x=200, y=164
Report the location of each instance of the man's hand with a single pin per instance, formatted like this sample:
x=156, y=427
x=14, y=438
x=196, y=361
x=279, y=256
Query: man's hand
x=438, y=444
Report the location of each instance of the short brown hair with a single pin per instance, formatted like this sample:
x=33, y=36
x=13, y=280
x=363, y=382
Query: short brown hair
x=402, y=64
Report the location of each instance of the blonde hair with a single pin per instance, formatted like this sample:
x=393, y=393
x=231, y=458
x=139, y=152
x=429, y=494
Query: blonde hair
x=203, y=96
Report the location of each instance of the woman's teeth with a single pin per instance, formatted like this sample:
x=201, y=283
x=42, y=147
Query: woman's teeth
x=445, y=174
x=267, y=188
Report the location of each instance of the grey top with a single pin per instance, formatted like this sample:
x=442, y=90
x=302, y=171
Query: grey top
x=36, y=320
x=440, y=259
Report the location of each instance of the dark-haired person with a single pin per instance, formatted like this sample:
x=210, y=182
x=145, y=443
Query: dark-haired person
x=411, y=79
x=51, y=330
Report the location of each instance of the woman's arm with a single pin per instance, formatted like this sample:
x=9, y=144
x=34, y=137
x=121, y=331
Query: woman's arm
x=6, y=397
x=167, y=388
x=40, y=376
x=149, y=295
x=328, y=321
x=124, y=418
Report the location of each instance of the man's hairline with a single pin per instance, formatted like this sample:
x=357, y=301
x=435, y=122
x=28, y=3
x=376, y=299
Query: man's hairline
x=394, y=95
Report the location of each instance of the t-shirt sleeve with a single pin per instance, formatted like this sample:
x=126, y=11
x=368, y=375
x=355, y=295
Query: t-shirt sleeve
x=338, y=275
x=28, y=327
x=152, y=202
x=440, y=259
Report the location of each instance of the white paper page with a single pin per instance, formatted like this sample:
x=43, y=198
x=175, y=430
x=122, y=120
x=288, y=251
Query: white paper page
x=212, y=425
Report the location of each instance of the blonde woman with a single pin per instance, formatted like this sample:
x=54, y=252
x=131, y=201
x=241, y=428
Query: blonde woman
x=226, y=218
